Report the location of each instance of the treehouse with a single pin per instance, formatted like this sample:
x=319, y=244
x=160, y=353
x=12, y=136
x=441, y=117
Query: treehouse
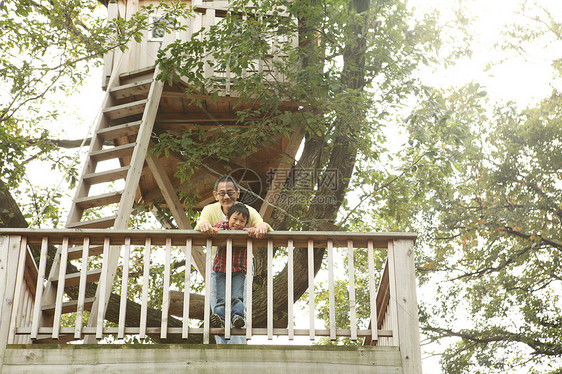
x=76, y=284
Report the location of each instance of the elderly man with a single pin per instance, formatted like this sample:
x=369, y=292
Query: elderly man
x=226, y=193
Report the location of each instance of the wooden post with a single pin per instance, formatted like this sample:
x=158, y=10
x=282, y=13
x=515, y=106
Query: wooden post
x=9, y=255
x=402, y=272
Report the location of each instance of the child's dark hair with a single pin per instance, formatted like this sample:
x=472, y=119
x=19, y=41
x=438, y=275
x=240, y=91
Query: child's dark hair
x=241, y=209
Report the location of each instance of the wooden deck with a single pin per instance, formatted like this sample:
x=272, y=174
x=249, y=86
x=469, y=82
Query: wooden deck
x=201, y=359
x=33, y=304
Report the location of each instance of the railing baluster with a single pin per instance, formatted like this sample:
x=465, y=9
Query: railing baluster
x=82, y=289
x=270, y=289
x=372, y=292
x=290, y=290
x=249, y=283
x=331, y=292
x=60, y=288
x=186, y=289
x=124, y=288
x=207, y=309
x=393, y=301
x=102, y=288
x=146, y=278
x=18, y=290
x=228, y=289
x=312, y=331
x=351, y=274
x=39, y=288
x=166, y=292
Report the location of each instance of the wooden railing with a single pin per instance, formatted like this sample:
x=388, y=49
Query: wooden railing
x=29, y=315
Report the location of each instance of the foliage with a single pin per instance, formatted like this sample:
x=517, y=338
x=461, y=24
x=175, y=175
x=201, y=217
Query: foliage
x=46, y=51
x=486, y=196
x=336, y=93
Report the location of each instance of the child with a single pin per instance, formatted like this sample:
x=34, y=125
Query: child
x=237, y=217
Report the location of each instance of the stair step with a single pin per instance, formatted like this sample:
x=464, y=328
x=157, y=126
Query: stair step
x=98, y=223
x=140, y=87
x=99, y=200
x=136, y=75
x=76, y=252
x=70, y=306
x=114, y=132
x=124, y=110
x=106, y=176
x=114, y=152
x=73, y=279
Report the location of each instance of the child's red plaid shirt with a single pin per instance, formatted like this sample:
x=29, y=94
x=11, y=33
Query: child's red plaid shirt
x=239, y=255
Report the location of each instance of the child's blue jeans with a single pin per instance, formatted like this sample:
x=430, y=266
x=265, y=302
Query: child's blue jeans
x=218, y=283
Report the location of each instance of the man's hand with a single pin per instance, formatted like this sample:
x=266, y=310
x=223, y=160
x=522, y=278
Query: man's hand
x=259, y=231
x=207, y=229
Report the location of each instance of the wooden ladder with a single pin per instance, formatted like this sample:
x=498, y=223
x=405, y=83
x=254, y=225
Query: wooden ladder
x=125, y=122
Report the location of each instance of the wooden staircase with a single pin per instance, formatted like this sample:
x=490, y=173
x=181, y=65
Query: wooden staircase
x=121, y=139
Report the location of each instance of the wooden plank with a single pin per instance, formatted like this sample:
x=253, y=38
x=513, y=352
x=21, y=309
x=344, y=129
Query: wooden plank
x=98, y=223
x=228, y=290
x=290, y=291
x=124, y=289
x=98, y=200
x=105, y=176
x=114, y=132
x=311, y=316
x=82, y=289
x=176, y=207
x=407, y=305
x=166, y=290
x=9, y=250
x=331, y=291
x=125, y=110
x=173, y=358
x=249, y=286
x=186, y=289
x=392, y=303
x=134, y=75
x=73, y=279
x=144, y=297
x=270, y=289
x=207, y=308
x=39, y=289
x=351, y=283
x=67, y=333
x=208, y=21
x=103, y=295
x=69, y=306
x=280, y=238
x=372, y=293
x=76, y=251
x=16, y=306
x=136, y=88
x=120, y=151
x=60, y=288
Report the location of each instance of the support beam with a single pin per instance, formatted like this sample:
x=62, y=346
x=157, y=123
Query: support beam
x=9, y=256
x=176, y=207
x=402, y=259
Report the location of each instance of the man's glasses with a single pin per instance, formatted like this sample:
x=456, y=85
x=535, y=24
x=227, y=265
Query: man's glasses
x=229, y=193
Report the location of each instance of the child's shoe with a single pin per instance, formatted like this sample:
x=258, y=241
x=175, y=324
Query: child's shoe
x=238, y=322
x=216, y=321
